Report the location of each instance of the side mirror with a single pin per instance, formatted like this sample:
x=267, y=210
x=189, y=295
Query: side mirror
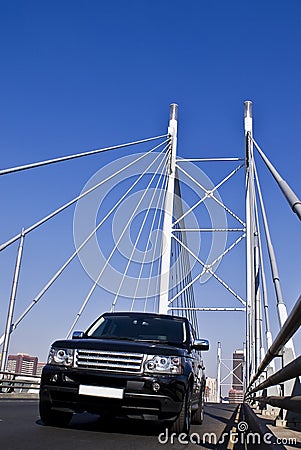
x=78, y=334
x=201, y=344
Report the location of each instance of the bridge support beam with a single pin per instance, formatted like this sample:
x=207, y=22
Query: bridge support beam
x=168, y=212
x=218, y=381
x=250, y=230
x=11, y=307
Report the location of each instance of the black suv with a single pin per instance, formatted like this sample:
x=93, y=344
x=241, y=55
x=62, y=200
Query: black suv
x=130, y=364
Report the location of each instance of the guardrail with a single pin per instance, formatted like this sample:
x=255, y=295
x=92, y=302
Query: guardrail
x=289, y=403
x=11, y=382
x=289, y=372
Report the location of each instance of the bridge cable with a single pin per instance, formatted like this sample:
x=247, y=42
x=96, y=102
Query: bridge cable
x=208, y=269
x=182, y=264
x=270, y=247
x=78, y=155
x=140, y=232
x=260, y=352
x=291, y=197
x=264, y=292
x=98, y=226
x=157, y=243
x=131, y=218
x=155, y=246
x=281, y=306
x=79, y=197
x=158, y=207
x=75, y=253
x=208, y=193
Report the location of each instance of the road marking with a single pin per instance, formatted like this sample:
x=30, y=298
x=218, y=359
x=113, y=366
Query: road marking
x=231, y=444
x=237, y=415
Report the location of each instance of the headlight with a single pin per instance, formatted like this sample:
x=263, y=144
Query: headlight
x=163, y=364
x=61, y=356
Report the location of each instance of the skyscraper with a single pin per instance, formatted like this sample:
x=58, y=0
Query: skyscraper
x=236, y=394
x=237, y=377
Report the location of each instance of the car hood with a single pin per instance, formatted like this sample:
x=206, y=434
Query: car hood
x=115, y=345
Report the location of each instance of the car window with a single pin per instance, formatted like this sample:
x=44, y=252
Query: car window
x=149, y=328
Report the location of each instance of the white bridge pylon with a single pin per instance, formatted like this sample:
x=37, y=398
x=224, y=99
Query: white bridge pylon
x=174, y=228
x=164, y=267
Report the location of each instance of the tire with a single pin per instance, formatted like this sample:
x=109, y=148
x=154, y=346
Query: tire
x=53, y=417
x=198, y=415
x=107, y=418
x=182, y=423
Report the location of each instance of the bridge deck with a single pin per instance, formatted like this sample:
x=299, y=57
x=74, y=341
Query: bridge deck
x=21, y=429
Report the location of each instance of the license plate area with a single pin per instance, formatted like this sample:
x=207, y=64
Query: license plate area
x=101, y=391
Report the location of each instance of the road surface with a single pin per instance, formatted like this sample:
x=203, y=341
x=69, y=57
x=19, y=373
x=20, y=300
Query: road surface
x=21, y=429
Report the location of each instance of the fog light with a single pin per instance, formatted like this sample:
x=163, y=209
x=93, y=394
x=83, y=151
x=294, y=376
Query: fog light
x=156, y=387
x=67, y=379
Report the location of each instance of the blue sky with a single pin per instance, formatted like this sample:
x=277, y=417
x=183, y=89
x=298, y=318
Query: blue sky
x=80, y=75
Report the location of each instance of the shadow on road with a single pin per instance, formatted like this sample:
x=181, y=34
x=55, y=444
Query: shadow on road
x=91, y=422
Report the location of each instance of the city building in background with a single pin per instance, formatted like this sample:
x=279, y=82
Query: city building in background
x=210, y=390
x=22, y=364
x=236, y=394
x=238, y=365
x=40, y=368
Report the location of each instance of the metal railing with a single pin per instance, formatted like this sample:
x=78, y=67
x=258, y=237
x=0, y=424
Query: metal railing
x=289, y=372
x=11, y=382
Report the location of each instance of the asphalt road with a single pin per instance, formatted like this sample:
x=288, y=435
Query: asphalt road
x=21, y=429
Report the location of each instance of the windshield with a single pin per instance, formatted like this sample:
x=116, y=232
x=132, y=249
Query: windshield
x=137, y=328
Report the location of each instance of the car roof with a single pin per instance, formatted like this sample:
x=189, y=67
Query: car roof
x=144, y=315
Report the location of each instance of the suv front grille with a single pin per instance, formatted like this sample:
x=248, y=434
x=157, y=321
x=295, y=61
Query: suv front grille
x=108, y=361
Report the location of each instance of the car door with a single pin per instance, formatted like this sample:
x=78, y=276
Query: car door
x=197, y=368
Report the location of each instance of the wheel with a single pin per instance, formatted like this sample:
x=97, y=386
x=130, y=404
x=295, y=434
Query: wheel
x=107, y=417
x=182, y=423
x=198, y=415
x=53, y=417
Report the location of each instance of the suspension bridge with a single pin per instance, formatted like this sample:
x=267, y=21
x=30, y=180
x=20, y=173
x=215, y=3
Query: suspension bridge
x=172, y=232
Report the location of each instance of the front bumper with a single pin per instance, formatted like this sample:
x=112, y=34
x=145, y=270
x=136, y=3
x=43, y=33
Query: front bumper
x=60, y=387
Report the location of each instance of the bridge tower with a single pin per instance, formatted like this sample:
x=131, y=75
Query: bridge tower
x=168, y=212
